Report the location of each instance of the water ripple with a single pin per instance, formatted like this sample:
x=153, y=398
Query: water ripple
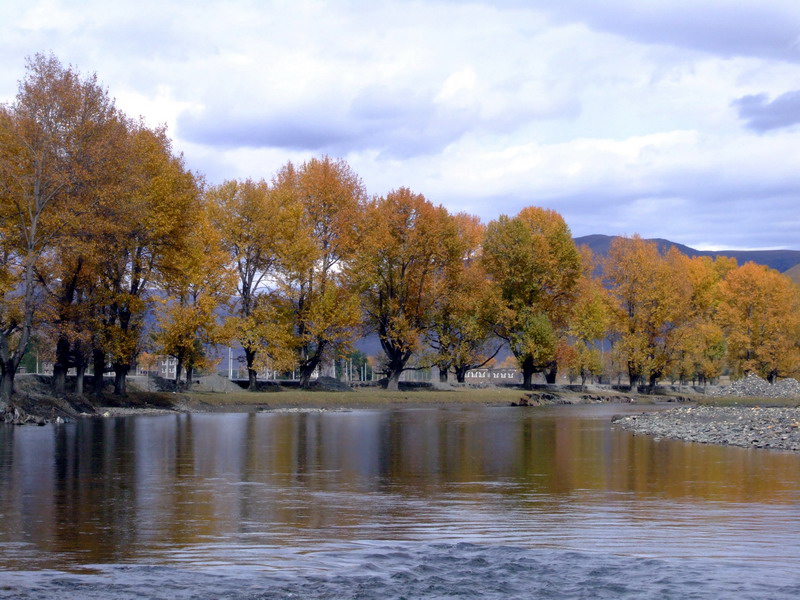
x=395, y=571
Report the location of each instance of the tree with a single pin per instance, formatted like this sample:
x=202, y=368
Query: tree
x=699, y=344
x=759, y=312
x=195, y=284
x=50, y=149
x=465, y=305
x=405, y=240
x=315, y=282
x=260, y=228
x=651, y=303
x=142, y=227
x=590, y=320
x=536, y=266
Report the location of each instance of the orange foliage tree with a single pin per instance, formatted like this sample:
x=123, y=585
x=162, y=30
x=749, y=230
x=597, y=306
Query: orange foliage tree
x=405, y=240
x=145, y=223
x=759, y=311
x=651, y=302
x=53, y=139
x=314, y=280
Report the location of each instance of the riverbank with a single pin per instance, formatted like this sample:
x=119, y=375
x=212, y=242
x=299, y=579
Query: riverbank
x=746, y=426
x=34, y=404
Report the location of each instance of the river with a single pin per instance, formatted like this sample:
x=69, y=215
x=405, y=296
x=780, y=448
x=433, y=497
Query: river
x=461, y=502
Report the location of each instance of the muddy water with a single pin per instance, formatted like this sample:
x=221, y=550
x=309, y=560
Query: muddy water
x=461, y=502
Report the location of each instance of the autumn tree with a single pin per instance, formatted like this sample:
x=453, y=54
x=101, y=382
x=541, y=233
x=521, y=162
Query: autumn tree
x=651, y=300
x=260, y=229
x=699, y=342
x=51, y=148
x=142, y=226
x=316, y=282
x=536, y=266
x=465, y=305
x=759, y=312
x=405, y=240
x=590, y=320
x=195, y=284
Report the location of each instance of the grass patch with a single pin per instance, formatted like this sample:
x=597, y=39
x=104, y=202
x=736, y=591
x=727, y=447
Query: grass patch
x=359, y=398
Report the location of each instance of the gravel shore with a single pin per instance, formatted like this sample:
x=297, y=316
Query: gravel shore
x=776, y=428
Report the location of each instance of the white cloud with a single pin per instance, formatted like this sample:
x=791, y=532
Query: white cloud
x=620, y=119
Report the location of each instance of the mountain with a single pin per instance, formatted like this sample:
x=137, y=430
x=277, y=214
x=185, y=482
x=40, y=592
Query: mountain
x=780, y=260
x=794, y=273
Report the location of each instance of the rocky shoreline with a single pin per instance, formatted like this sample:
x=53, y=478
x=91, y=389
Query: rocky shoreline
x=748, y=427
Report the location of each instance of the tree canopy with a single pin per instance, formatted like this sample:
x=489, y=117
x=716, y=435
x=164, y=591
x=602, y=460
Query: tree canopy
x=110, y=246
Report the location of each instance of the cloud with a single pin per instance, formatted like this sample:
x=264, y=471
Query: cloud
x=616, y=113
x=761, y=114
x=722, y=27
x=394, y=128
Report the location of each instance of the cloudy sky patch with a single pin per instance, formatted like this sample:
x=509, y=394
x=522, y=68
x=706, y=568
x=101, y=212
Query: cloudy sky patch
x=762, y=114
x=672, y=119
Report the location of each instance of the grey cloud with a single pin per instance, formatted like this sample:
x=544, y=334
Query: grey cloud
x=396, y=125
x=727, y=29
x=689, y=206
x=293, y=131
x=761, y=114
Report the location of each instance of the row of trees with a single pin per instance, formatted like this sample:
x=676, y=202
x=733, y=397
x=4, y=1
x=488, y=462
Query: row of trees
x=108, y=243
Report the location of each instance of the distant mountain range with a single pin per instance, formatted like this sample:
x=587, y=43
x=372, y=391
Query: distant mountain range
x=780, y=260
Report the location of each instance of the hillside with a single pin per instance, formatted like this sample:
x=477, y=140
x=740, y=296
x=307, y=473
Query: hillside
x=780, y=260
x=794, y=273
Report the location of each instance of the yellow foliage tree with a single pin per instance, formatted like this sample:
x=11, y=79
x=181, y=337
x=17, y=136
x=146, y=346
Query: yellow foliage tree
x=536, y=266
x=699, y=344
x=759, y=311
x=405, y=240
x=590, y=320
x=651, y=303
x=260, y=228
x=314, y=277
x=196, y=284
x=146, y=223
x=466, y=305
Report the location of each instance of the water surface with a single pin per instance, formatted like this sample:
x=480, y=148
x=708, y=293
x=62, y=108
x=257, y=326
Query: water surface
x=446, y=502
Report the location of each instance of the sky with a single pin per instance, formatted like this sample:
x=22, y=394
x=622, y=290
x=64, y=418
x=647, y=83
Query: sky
x=677, y=119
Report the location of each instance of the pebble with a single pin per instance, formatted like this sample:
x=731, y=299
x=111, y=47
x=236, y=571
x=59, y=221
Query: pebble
x=777, y=428
x=755, y=386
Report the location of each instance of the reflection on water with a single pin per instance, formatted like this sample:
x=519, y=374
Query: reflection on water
x=251, y=489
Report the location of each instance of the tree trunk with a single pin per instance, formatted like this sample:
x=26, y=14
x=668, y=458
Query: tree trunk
x=178, y=373
x=61, y=366
x=393, y=381
x=189, y=376
x=120, y=379
x=461, y=374
x=633, y=378
x=99, y=360
x=651, y=386
x=442, y=375
x=80, y=372
x=528, y=369
x=396, y=360
x=252, y=376
x=6, y=386
x=551, y=374
x=307, y=370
